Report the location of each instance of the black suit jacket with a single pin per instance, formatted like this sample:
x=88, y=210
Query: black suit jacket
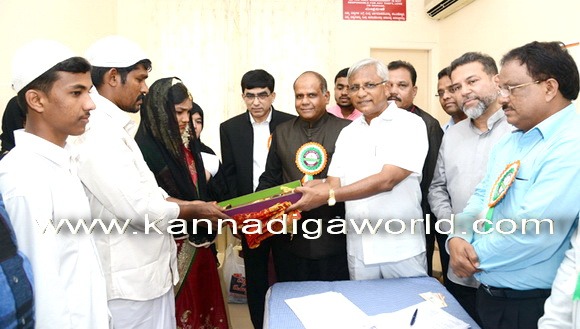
x=237, y=147
x=435, y=136
x=281, y=168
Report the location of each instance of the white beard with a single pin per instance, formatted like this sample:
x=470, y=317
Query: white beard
x=476, y=111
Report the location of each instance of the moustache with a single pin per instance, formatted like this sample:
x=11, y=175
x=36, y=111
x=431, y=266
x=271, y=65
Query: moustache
x=141, y=97
x=394, y=98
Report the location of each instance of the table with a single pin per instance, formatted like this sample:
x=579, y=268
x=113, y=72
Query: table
x=371, y=296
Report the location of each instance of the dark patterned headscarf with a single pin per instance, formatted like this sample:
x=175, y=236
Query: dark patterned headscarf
x=158, y=116
x=162, y=145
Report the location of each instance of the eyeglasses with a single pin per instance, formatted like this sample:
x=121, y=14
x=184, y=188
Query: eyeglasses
x=260, y=96
x=505, y=91
x=367, y=86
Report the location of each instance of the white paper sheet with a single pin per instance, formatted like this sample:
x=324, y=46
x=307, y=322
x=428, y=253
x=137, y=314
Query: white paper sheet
x=428, y=316
x=328, y=310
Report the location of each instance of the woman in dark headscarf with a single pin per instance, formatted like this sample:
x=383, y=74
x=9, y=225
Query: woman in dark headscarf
x=179, y=170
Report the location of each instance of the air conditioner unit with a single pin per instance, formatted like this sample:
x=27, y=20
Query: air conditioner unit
x=439, y=9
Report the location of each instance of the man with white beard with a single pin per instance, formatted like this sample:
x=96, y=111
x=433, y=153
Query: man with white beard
x=465, y=149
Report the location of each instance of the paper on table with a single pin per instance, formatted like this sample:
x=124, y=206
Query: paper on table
x=429, y=316
x=437, y=299
x=328, y=310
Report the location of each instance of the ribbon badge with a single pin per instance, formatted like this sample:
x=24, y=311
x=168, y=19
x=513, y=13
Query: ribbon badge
x=311, y=159
x=500, y=188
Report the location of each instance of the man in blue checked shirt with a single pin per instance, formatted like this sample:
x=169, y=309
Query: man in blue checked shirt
x=532, y=173
x=16, y=297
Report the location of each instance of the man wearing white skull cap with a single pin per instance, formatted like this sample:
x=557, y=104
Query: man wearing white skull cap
x=41, y=189
x=140, y=264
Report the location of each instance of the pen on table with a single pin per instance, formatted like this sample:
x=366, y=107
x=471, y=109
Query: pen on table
x=414, y=317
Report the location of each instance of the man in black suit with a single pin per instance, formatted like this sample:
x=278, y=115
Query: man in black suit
x=304, y=147
x=402, y=90
x=245, y=140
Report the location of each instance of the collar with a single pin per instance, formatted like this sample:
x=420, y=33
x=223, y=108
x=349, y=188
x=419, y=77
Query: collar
x=553, y=123
x=311, y=125
x=52, y=152
x=105, y=107
x=492, y=121
x=496, y=117
x=267, y=121
x=388, y=114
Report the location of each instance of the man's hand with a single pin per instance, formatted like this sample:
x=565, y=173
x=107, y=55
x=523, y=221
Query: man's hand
x=312, y=197
x=463, y=259
x=203, y=210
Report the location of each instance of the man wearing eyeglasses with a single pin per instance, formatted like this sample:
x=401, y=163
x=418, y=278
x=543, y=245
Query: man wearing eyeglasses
x=532, y=173
x=447, y=100
x=245, y=140
x=376, y=170
x=464, y=152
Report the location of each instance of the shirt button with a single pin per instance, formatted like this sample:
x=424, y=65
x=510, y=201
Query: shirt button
x=15, y=279
x=23, y=320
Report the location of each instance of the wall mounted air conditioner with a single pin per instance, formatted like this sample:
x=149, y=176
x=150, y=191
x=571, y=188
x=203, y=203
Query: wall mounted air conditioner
x=439, y=9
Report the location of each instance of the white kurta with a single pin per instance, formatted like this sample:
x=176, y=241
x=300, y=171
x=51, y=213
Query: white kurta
x=120, y=185
x=398, y=138
x=561, y=310
x=39, y=186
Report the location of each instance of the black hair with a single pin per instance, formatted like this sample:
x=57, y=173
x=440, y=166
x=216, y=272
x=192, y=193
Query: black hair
x=46, y=80
x=177, y=94
x=443, y=73
x=487, y=61
x=341, y=74
x=406, y=65
x=258, y=79
x=545, y=60
x=98, y=72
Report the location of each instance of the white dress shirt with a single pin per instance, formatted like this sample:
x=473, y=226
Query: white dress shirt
x=399, y=138
x=40, y=187
x=137, y=266
x=560, y=309
x=261, y=146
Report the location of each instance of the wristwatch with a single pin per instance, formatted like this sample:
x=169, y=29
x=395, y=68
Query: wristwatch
x=331, y=198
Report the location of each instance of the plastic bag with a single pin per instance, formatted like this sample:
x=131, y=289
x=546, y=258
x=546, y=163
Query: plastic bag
x=235, y=275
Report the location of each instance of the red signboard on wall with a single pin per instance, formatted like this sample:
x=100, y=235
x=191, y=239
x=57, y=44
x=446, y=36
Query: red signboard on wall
x=375, y=10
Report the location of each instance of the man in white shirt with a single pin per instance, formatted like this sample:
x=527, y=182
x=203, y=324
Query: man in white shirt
x=139, y=264
x=245, y=140
x=376, y=170
x=40, y=187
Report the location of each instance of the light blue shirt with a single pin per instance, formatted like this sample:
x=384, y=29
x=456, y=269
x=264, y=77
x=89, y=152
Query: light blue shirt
x=547, y=186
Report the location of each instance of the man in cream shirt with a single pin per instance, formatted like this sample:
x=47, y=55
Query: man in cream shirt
x=376, y=170
x=140, y=263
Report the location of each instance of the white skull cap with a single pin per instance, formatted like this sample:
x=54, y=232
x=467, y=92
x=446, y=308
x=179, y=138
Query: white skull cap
x=115, y=51
x=34, y=59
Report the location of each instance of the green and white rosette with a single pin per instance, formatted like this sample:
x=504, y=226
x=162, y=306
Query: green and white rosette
x=311, y=159
x=500, y=188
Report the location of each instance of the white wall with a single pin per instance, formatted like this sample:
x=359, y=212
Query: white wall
x=210, y=44
x=496, y=26
x=74, y=23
